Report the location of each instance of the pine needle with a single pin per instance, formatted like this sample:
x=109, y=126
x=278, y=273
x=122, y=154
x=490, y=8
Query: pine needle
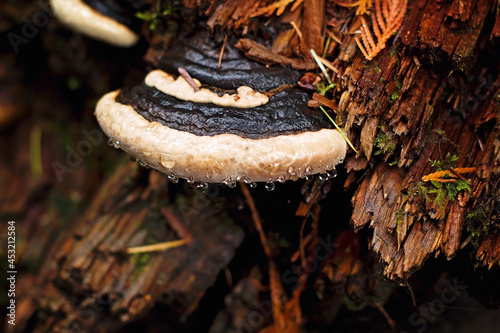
x=156, y=247
x=320, y=65
x=340, y=131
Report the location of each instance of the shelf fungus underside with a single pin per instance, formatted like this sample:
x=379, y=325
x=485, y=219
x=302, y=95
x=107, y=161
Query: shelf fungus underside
x=279, y=140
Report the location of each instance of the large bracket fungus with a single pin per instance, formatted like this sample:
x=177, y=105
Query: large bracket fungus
x=248, y=122
x=109, y=21
x=260, y=132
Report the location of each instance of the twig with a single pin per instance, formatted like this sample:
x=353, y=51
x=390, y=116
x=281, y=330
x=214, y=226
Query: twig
x=222, y=51
x=188, y=78
x=302, y=43
x=179, y=227
x=256, y=219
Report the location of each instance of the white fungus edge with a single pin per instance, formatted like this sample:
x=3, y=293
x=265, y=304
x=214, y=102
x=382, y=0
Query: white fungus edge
x=82, y=18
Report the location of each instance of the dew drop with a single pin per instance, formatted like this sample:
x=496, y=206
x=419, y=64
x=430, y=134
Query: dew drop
x=232, y=184
x=309, y=177
x=309, y=169
x=110, y=142
x=174, y=179
x=323, y=176
x=341, y=160
x=253, y=184
x=116, y=144
x=190, y=180
x=281, y=179
x=332, y=173
x=270, y=186
x=247, y=181
x=133, y=159
x=201, y=186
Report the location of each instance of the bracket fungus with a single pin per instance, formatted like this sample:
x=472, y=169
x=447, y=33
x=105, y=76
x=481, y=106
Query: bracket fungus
x=109, y=21
x=207, y=136
x=233, y=119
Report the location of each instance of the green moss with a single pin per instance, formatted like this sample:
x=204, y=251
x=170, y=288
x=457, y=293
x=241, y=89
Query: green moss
x=477, y=220
x=356, y=305
x=154, y=17
x=323, y=87
x=395, y=94
x=372, y=65
x=385, y=143
x=439, y=192
x=401, y=213
x=140, y=262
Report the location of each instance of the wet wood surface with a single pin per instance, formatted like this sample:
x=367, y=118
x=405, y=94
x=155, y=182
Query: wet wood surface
x=427, y=101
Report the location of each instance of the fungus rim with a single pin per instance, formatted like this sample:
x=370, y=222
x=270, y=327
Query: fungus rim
x=81, y=17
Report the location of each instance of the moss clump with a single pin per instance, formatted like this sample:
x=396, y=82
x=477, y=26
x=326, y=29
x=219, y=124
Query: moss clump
x=439, y=192
x=385, y=143
x=324, y=87
x=161, y=11
x=477, y=225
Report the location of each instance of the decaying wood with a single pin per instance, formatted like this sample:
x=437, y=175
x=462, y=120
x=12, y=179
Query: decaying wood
x=93, y=264
x=260, y=53
x=313, y=24
x=412, y=103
